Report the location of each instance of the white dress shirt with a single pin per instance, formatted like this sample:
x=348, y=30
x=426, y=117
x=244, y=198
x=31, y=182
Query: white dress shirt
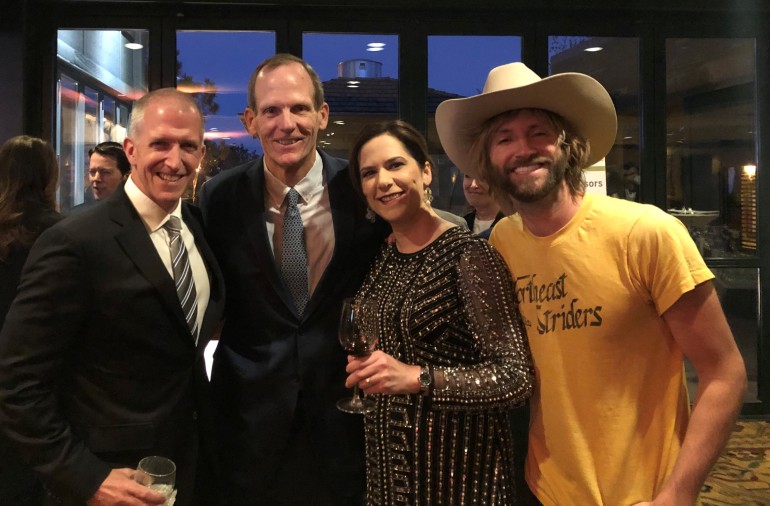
x=154, y=218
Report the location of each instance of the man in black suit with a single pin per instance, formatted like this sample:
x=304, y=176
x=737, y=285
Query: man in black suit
x=99, y=364
x=279, y=368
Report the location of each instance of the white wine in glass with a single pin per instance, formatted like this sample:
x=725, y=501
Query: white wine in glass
x=158, y=474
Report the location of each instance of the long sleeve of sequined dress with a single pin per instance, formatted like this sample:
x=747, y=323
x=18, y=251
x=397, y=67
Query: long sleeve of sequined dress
x=504, y=373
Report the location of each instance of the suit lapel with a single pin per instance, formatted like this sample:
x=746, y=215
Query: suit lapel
x=252, y=203
x=193, y=220
x=342, y=200
x=140, y=250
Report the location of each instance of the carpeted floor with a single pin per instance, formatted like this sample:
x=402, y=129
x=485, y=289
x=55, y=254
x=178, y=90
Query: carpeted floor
x=742, y=475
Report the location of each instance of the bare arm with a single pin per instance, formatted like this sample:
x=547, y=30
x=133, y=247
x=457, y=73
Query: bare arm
x=698, y=324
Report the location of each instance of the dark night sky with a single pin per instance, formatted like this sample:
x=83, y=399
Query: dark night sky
x=458, y=64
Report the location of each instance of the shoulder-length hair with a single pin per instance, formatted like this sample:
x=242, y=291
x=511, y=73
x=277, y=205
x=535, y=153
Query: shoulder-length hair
x=28, y=178
x=575, y=147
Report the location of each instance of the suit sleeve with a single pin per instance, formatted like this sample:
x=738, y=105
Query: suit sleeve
x=39, y=336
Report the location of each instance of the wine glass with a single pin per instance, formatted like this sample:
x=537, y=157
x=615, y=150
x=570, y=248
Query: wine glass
x=358, y=335
x=158, y=474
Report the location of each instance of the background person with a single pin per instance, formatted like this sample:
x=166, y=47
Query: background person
x=100, y=366
x=486, y=211
x=279, y=367
x=28, y=178
x=449, y=361
x=614, y=295
x=108, y=168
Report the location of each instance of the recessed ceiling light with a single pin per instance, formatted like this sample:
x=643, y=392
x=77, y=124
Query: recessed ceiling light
x=352, y=86
x=354, y=82
x=133, y=45
x=374, y=49
x=339, y=122
x=593, y=49
x=376, y=44
x=627, y=137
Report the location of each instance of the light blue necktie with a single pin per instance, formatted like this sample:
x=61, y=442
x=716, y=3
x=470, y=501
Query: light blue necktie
x=185, y=285
x=294, y=256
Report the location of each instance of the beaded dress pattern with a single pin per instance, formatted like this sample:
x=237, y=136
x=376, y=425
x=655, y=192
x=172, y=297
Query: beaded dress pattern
x=451, y=306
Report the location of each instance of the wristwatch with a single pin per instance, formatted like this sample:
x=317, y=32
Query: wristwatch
x=426, y=379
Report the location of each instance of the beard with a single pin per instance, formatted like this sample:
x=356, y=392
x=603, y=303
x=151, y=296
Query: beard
x=534, y=190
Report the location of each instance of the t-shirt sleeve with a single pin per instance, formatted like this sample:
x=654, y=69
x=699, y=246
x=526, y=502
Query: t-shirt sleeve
x=663, y=258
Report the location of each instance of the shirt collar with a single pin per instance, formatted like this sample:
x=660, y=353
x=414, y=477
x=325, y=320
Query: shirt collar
x=306, y=187
x=153, y=216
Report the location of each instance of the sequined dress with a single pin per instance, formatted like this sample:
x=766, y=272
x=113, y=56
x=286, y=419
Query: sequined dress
x=451, y=306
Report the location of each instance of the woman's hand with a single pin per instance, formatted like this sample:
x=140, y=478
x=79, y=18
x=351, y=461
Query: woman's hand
x=379, y=373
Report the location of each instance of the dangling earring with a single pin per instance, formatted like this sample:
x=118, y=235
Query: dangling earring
x=428, y=195
x=370, y=214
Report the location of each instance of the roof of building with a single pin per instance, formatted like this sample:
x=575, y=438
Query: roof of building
x=374, y=95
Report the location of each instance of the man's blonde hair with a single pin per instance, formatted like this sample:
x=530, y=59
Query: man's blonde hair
x=574, y=146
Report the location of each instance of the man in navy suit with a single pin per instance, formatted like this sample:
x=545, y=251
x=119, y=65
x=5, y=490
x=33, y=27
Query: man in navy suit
x=99, y=365
x=279, y=368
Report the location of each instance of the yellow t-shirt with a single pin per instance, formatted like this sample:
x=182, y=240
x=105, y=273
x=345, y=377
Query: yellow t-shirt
x=610, y=407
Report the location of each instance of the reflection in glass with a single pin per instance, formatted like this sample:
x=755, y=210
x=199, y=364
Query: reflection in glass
x=738, y=291
x=614, y=62
x=99, y=74
x=359, y=73
x=711, y=147
x=457, y=67
x=69, y=136
x=213, y=67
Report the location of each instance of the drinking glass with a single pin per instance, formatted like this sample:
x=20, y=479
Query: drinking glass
x=358, y=335
x=158, y=474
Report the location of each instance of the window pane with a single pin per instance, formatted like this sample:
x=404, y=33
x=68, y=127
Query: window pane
x=457, y=67
x=614, y=62
x=711, y=147
x=360, y=79
x=99, y=74
x=738, y=291
x=215, y=67
x=68, y=139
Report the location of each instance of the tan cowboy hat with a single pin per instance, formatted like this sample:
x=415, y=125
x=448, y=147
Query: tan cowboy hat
x=578, y=98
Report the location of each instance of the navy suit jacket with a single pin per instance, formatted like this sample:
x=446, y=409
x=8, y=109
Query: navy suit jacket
x=97, y=365
x=275, y=370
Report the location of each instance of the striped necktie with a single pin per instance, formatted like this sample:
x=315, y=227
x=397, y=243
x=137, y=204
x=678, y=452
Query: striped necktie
x=185, y=286
x=294, y=255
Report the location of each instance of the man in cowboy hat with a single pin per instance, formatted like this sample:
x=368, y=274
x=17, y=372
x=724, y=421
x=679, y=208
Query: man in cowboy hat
x=614, y=294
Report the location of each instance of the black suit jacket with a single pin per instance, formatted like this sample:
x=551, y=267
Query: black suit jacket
x=97, y=365
x=470, y=219
x=278, y=375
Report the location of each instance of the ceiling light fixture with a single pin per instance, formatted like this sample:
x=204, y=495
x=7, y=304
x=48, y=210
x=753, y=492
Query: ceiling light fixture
x=131, y=42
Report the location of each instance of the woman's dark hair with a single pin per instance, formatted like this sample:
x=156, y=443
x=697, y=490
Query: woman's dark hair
x=28, y=177
x=115, y=151
x=409, y=136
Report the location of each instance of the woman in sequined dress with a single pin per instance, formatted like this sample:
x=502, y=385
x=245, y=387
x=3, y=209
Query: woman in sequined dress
x=452, y=356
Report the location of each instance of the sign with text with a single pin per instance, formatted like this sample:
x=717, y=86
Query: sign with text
x=596, y=178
